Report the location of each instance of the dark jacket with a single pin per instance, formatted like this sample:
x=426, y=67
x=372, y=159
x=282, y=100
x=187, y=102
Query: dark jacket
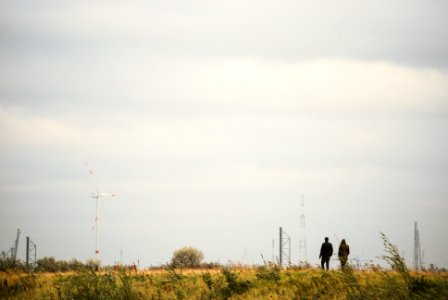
x=326, y=250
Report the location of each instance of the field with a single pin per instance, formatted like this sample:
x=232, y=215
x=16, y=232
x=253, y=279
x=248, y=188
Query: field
x=267, y=281
x=264, y=282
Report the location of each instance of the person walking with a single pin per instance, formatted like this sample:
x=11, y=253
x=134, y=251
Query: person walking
x=326, y=251
x=344, y=251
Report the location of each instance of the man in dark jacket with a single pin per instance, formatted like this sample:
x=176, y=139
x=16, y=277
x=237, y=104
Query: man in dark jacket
x=326, y=251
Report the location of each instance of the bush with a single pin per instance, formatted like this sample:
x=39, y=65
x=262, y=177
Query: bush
x=234, y=284
x=9, y=264
x=50, y=264
x=187, y=257
x=47, y=264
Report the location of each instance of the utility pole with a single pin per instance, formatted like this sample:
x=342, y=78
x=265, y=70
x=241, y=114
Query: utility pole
x=284, y=247
x=30, y=252
x=280, y=257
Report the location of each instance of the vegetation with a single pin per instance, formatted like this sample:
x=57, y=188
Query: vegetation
x=50, y=264
x=224, y=283
x=9, y=263
x=187, y=257
x=264, y=282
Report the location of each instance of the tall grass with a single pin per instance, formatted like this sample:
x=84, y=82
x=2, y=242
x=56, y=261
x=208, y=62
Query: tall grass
x=264, y=282
x=226, y=283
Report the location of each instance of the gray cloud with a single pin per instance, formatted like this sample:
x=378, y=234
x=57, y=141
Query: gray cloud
x=404, y=32
x=210, y=120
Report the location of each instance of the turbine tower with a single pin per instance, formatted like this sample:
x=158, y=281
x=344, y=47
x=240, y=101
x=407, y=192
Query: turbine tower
x=417, y=251
x=97, y=195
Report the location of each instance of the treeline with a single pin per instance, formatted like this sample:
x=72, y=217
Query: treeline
x=47, y=264
x=52, y=265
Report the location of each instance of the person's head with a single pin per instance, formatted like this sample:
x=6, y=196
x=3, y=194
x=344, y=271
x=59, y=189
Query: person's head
x=326, y=239
x=343, y=242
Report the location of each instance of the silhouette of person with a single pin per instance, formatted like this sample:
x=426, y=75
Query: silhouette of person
x=344, y=251
x=326, y=251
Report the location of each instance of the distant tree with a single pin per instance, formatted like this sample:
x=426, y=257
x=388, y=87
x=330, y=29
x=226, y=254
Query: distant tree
x=187, y=257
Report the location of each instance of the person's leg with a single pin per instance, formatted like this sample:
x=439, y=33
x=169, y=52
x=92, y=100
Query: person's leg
x=327, y=262
x=322, y=262
x=344, y=261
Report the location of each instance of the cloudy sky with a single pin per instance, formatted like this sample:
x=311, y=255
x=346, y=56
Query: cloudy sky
x=211, y=119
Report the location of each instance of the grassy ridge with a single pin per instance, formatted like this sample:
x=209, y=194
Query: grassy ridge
x=266, y=282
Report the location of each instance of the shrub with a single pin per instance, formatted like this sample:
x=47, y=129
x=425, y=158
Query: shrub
x=187, y=257
x=234, y=284
x=9, y=264
x=47, y=264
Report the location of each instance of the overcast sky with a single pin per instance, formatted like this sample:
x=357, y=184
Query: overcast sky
x=211, y=119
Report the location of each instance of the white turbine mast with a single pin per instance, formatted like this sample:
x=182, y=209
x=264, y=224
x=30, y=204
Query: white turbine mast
x=97, y=195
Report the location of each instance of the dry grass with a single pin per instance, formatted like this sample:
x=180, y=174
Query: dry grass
x=230, y=283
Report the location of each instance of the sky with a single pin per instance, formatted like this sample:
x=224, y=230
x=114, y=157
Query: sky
x=210, y=120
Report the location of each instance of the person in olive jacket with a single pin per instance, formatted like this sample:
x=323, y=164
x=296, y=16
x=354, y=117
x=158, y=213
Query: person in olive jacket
x=326, y=251
x=344, y=251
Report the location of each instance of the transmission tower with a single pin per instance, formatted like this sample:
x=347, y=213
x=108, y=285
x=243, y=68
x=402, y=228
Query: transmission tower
x=31, y=253
x=285, y=247
x=303, y=258
x=13, y=249
x=417, y=251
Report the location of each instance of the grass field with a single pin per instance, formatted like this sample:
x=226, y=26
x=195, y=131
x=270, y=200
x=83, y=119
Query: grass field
x=265, y=282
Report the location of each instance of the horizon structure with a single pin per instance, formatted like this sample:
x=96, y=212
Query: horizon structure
x=97, y=195
x=13, y=249
x=417, y=251
x=284, y=247
x=303, y=257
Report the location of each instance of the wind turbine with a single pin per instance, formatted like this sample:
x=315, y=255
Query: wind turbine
x=97, y=195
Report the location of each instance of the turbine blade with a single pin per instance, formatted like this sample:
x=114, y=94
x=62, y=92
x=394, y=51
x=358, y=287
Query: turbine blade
x=92, y=177
x=109, y=195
